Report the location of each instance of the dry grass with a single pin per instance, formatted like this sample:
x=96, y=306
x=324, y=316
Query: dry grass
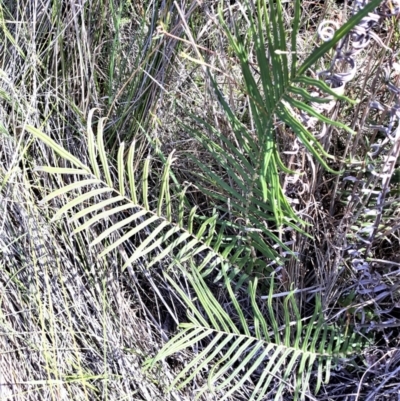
x=72, y=327
x=76, y=328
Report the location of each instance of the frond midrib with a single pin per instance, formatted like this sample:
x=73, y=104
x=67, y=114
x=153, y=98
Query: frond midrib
x=290, y=348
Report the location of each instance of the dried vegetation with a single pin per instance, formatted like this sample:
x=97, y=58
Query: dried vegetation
x=77, y=327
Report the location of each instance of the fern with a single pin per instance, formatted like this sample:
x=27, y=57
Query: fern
x=287, y=352
x=167, y=235
x=258, y=350
x=170, y=235
x=175, y=243
x=278, y=92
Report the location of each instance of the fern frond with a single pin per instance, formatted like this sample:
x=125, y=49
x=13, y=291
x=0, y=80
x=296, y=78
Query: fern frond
x=246, y=165
x=167, y=235
x=282, y=358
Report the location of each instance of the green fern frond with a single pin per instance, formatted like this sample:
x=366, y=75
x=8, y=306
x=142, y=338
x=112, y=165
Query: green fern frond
x=262, y=346
x=246, y=165
x=167, y=233
x=269, y=357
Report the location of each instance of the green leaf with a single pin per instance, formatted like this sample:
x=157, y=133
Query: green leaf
x=57, y=148
x=339, y=34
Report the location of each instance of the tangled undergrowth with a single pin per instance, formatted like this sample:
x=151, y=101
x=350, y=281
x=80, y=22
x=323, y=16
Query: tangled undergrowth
x=199, y=200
